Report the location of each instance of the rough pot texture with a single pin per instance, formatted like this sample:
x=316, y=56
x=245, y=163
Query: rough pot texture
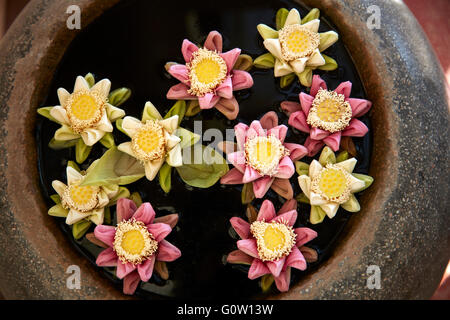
x=402, y=228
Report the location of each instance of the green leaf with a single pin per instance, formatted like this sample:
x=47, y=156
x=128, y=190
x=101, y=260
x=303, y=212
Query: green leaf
x=330, y=64
x=119, y=96
x=73, y=164
x=266, y=282
x=267, y=32
x=301, y=168
x=244, y=62
x=90, y=79
x=179, y=108
x=108, y=140
x=56, y=198
x=287, y=80
x=119, y=126
x=327, y=39
x=150, y=112
x=187, y=137
x=107, y=216
x=114, y=167
x=342, y=156
x=58, y=211
x=281, y=17
x=265, y=61
x=316, y=215
x=165, y=180
x=122, y=193
x=57, y=145
x=327, y=156
x=302, y=198
x=81, y=151
x=306, y=77
x=202, y=166
x=193, y=108
x=80, y=228
x=313, y=14
x=367, y=180
x=351, y=205
x=45, y=112
x=136, y=197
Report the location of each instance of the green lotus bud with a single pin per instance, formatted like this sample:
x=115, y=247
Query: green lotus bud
x=342, y=156
x=192, y=108
x=281, y=17
x=81, y=151
x=330, y=64
x=327, y=156
x=108, y=140
x=266, y=282
x=327, y=39
x=301, y=168
x=80, y=228
x=306, y=77
x=287, y=80
x=267, y=32
x=351, y=205
x=367, y=180
x=302, y=198
x=313, y=14
x=265, y=61
x=119, y=96
x=244, y=62
x=247, y=194
x=316, y=215
x=90, y=79
x=165, y=180
x=136, y=197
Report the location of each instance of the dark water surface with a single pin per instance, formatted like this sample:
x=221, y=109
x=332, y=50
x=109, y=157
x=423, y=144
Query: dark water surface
x=130, y=44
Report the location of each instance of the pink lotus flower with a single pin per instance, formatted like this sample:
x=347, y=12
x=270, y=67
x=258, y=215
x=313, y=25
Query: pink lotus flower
x=208, y=76
x=327, y=115
x=136, y=243
x=261, y=157
x=270, y=245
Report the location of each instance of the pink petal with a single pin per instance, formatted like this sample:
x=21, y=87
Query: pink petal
x=125, y=209
x=296, y=260
x=180, y=92
x=266, y=212
x=241, y=227
x=239, y=257
x=234, y=176
x=105, y=234
x=279, y=132
x=304, y=235
x=230, y=58
x=170, y=219
x=288, y=217
x=159, y=230
x=214, y=41
x=317, y=83
x=237, y=159
x=344, y=88
x=241, y=80
x=107, y=258
x=359, y=106
x=289, y=205
x=187, y=49
x=249, y=247
x=145, y=213
x=305, y=102
x=285, y=168
x=333, y=141
x=318, y=134
x=225, y=89
x=290, y=107
x=269, y=120
x=240, y=130
x=250, y=175
x=228, y=107
x=296, y=151
x=180, y=72
x=130, y=283
x=282, y=282
x=261, y=186
x=313, y=146
x=298, y=121
x=123, y=269
x=275, y=267
x=167, y=251
x=257, y=269
x=283, y=187
x=145, y=269
x=255, y=130
x=208, y=101
x=355, y=128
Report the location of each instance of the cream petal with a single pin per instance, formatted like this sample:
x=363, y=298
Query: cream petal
x=315, y=59
x=293, y=18
x=80, y=84
x=103, y=199
x=74, y=216
x=130, y=125
x=152, y=111
x=281, y=68
x=104, y=124
x=111, y=190
x=274, y=47
x=314, y=168
x=102, y=87
x=170, y=124
x=171, y=140
x=65, y=133
x=298, y=65
x=305, y=184
x=355, y=184
x=63, y=95
x=126, y=148
x=348, y=164
x=312, y=25
x=331, y=38
x=152, y=168
x=73, y=175
x=91, y=136
x=59, y=187
x=316, y=200
x=97, y=216
x=60, y=114
x=113, y=112
x=174, y=157
x=330, y=209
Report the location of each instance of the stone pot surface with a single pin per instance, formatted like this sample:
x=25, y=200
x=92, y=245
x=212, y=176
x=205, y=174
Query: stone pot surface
x=402, y=227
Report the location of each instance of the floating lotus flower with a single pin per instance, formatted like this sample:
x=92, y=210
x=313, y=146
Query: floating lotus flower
x=262, y=157
x=327, y=115
x=270, y=244
x=295, y=48
x=136, y=243
x=86, y=115
x=209, y=76
x=82, y=204
x=329, y=184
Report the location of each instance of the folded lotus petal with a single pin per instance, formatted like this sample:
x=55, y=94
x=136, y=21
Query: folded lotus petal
x=237, y=159
x=180, y=92
x=81, y=84
x=276, y=267
x=304, y=235
x=282, y=282
x=316, y=59
x=73, y=176
x=256, y=130
x=282, y=68
x=145, y=269
x=261, y=186
x=288, y=217
x=130, y=125
x=187, y=49
x=126, y=148
x=60, y=114
x=171, y=139
x=107, y=258
x=228, y=107
x=285, y=168
x=305, y=184
x=355, y=184
x=359, y=106
x=348, y=165
x=63, y=96
x=257, y=269
x=230, y=58
x=240, y=130
x=180, y=72
x=104, y=124
x=318, y=134
x=249, y=247
x=316, y=199
x=296, y=151
x=241, y=227
x=344, y=88
x=241, y=80
x=314, y=168
x=312, y=25
x=266, y=212
x=333, y=140
x=130, y=283
x=227, y=147
x=214, y=41
x=298, y=65
x=234, y=176
x=283, y=188
x=293, y=17
x=167, y=251
x=239, y=257
x=145, y=213
x=208, y=101
x=290, y=107
x=105, y=234
x=159, y=230
x=97, y=215
x=288, y=205
x=309, y=254
x=174, y=157
x=170, y=219
x=125, y=209
x=317, y=82
x=313, y=146
x=274, y=47
x=305, y=102
x=296, y=259
x=102, y=87
x=250, y=175
x=279, y=132
x=330, y=209
x=225, y=89
x=91, y=136
x=355, y=128
x=151, y=168
x=269, y=120
x=123, y=269
x=298, y=121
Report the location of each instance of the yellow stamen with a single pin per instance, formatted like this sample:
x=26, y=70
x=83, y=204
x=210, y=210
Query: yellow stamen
x=149, y=143
x=333, y=184
x=264, y=154
x=297, y=42
x=84, y=109
x=81, y=198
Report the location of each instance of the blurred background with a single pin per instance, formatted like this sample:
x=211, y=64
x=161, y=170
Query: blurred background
x=432, y=15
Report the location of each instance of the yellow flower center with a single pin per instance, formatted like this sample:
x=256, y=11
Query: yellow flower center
x=332, y=184
x=207, y=70
x=133, y=242
x=329, y=111
x=84, y=109
x=81, y=198
x=274, y=240
x=264, y=154
x=297, y=42
x=149, y=143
